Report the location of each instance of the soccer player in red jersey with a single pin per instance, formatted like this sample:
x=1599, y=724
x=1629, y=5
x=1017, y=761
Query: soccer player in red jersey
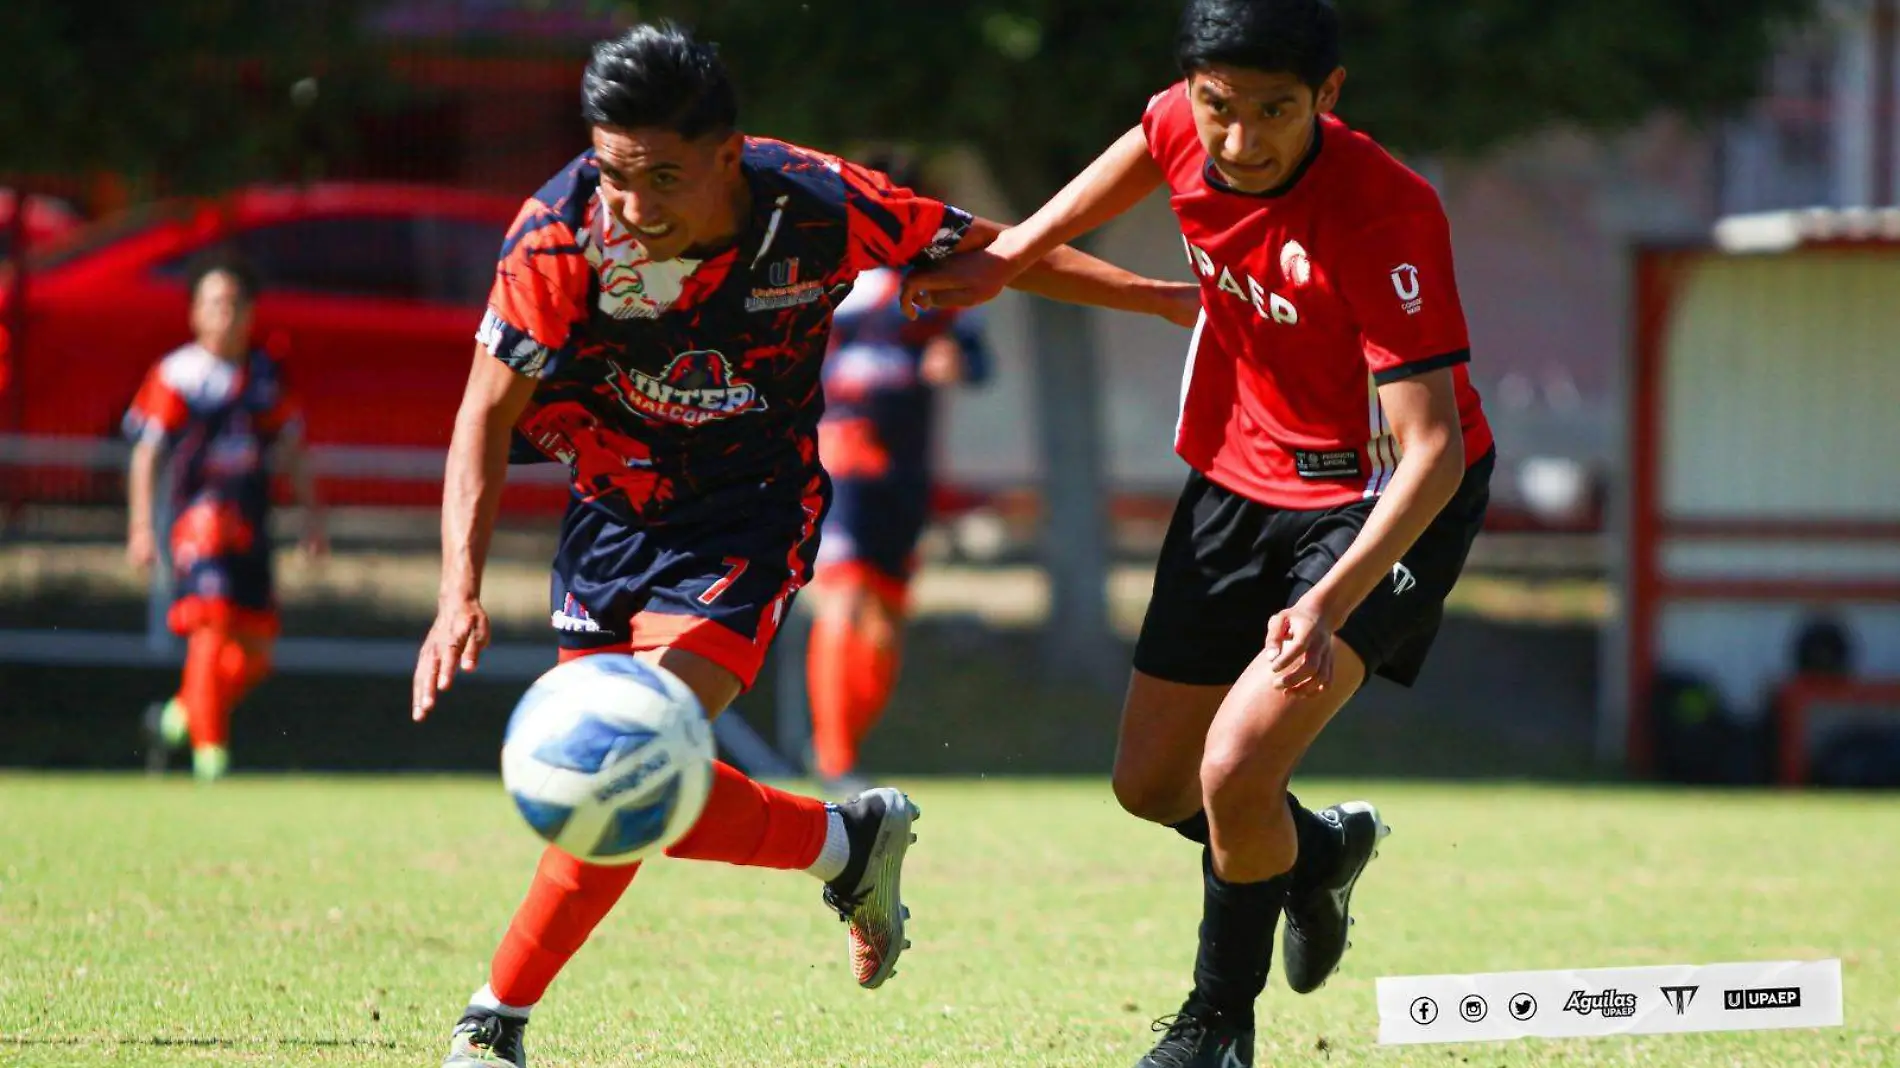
x=215, y=419
x=658, y=321
x=1341, y=464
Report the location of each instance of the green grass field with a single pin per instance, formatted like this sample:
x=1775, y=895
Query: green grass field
x=343, y=921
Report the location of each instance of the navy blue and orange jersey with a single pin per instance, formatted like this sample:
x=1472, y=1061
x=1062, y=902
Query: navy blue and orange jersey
x=879, y=410
x=683, y=390
x=219, y=422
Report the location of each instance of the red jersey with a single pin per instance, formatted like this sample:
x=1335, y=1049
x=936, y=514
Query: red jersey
x=1313, y=295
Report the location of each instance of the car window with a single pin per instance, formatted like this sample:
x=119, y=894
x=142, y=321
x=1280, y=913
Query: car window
x=457, y=258
x=344, y=255
x=95, y=236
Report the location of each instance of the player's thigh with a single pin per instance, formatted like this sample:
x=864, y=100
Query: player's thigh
x=1217, y=583
x=1158, y=751
x=715, y=686
x=718, y=592
x=1261, y=732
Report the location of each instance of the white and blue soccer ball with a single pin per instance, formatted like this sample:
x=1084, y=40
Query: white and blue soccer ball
x=609, y=758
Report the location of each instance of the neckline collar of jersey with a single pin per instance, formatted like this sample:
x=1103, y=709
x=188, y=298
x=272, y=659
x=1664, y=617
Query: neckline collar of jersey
x=1219, y=185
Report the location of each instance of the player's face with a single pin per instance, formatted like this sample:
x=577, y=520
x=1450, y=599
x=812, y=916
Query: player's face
x=220, y=316
x=1257, y=126
x=676, y=194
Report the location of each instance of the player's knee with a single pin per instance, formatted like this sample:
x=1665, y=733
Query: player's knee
x=1146, y=794
x=1237, y=779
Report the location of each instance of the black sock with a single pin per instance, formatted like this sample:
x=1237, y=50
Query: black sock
x=1319, y=841
x=1194, y=828
x=1237, y=925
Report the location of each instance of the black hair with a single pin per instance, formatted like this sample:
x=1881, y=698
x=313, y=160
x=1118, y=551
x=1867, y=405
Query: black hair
x=224, y=261
x=658, y=75
x=1297, y=37
x=900, y=167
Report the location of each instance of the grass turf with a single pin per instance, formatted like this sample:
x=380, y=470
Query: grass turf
x=314, y=921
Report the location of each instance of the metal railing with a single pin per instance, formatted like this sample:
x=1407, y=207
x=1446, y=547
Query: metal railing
x=157, y=647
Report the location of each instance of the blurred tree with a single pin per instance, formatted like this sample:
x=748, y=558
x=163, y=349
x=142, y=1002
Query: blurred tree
x=1041, y=86
x=186, y=96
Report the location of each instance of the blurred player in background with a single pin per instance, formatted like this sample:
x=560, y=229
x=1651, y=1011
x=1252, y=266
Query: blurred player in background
x=1341, y=469
x=216, y=418
x=658, y=321
x=877, y=442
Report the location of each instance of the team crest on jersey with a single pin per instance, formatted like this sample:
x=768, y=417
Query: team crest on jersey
x=785, y=289
x=1405, y=284
x=1295, y=265
x=696, y=388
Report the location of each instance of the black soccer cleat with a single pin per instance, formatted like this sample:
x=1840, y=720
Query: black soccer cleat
x=867, y=894
x=1197, y=1037
x=1314, y=937
x=484, y=1039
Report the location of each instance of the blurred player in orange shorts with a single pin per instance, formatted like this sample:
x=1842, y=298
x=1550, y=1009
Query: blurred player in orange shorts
x=214, y=417
x=881, y=380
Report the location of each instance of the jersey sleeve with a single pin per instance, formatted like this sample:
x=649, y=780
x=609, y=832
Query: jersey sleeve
x=1398, y=278
x=158, y=410
x=283, y=417
x=1165, y=122
x=539, y=296
x=890, y=226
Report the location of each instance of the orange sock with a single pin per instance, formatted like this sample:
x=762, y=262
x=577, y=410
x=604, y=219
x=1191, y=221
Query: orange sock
x=871, y=685
x=566, y=901
x=851, y=679
x=207, y=688
x=828, y=671
x=745, y=822
x=754, y=825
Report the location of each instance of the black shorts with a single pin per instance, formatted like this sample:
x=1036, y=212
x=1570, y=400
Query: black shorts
x=1229, y=563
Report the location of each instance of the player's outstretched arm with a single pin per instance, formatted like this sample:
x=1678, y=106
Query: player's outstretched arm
x=994, y=257
x=471, y=496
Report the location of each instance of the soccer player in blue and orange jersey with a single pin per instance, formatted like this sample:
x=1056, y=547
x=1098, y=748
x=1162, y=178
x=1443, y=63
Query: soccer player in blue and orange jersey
x=218, y=418
x=876, y=441
x=1341, y=470
x=658, y=321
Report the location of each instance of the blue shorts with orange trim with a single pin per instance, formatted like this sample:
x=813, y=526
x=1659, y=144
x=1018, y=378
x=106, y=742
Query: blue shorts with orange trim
x=718, y=590
x=223, y=573
x=875, y=523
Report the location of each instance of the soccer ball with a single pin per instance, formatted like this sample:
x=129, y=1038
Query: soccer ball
x=609, y=758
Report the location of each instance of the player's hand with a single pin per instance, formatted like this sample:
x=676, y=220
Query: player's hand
x=140, y=549
x=1181, y=304
x=1301, y=642
x=962, y=280
x=454, y=643
x=942, y=363
x=316, y=539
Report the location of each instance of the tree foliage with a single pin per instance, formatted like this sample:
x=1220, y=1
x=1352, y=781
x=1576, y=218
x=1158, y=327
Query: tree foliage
x=1042, y=85
x=182, y=96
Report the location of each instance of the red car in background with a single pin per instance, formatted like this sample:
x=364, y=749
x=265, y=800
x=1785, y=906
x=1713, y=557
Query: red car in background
x=371, y=296
x=47, y=219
